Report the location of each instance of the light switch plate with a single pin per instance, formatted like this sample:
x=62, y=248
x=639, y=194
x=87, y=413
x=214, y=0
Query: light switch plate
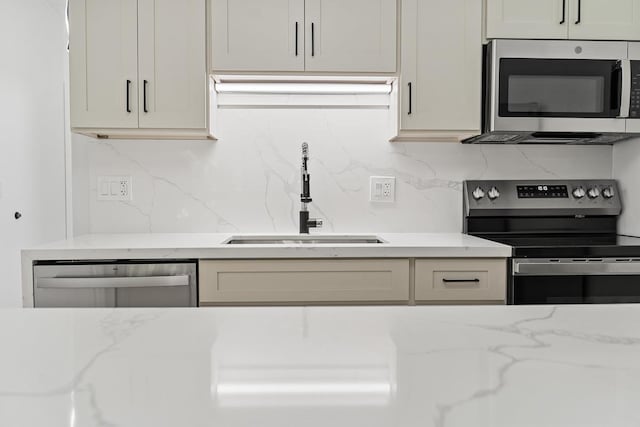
x=382, y=189
x=115, y=188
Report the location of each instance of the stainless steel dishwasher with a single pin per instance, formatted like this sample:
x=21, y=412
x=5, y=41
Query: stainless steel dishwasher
x=115, y=284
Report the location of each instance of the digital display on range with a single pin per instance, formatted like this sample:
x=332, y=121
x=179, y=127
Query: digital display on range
x=543, y=192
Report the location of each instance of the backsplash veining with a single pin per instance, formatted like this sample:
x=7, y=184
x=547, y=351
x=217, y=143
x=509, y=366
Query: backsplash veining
x=249, y=180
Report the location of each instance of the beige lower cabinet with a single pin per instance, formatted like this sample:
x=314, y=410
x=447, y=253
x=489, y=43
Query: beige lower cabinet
x=461, y=281
x=303, y=281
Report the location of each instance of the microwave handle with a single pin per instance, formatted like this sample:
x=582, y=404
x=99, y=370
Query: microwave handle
x=625, y=101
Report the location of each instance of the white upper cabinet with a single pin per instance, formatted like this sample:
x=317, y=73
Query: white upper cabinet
x=298, y=35
x=441, y=80
x=266, y=35
x=138, y=68
x=562, y=19
x=604, y=19
x=351, y=35
x=531, y=19
x=104, y=63
x=172, y=64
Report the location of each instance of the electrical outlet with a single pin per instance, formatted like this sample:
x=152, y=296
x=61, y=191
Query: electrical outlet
x=382, y=189
x=115, y=188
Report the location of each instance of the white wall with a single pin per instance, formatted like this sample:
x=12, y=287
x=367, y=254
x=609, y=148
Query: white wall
x=626, y=169
x=32, y=125
x=248, y=181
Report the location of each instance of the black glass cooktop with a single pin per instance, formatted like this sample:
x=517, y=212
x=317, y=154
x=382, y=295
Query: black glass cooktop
x=570, y=246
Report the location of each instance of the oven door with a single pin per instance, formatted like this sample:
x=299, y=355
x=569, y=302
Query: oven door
x=551, y=88
x=601, y=281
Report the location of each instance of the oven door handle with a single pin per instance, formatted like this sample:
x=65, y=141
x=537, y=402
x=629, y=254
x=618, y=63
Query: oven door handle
x=595, y=268
x=111, y=282
x=625, y=100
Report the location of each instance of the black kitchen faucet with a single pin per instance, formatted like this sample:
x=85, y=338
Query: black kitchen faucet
x=305, y=196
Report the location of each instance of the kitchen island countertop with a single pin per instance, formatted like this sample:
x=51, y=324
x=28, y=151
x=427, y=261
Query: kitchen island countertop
x=322, y=366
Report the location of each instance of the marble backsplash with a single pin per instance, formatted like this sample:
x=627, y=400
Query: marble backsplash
x=248, y=181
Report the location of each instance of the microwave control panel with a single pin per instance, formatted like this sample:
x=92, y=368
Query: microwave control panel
x=634, y=113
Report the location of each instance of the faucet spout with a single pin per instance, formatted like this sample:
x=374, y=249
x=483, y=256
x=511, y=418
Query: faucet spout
x=305, y=195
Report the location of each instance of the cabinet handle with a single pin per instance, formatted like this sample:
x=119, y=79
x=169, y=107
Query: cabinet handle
x=144, y=95
x=579, y=12
x=296, y=39
x=461, y=280
x=313, y=39
x=564, y=12
x=128, y=96
x=410, y=97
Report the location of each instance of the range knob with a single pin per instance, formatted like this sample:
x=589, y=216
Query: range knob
x=478, y=193
x=493, y=193
x=608, y=193
x=593, y=193
x=579, y=192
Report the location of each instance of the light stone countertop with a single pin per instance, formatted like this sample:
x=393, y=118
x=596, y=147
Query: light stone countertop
x=497, y=366
x=203, y=245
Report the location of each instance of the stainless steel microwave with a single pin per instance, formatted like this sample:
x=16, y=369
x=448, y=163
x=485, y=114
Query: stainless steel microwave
x=560, y=92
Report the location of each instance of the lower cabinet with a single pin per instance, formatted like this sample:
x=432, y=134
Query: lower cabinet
x=352, y=281
x=461, y=280
x=304, y=281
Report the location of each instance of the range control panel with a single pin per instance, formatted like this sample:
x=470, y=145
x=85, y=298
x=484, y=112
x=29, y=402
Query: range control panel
x=543, y=191
x=542, y=197
x=634, y=113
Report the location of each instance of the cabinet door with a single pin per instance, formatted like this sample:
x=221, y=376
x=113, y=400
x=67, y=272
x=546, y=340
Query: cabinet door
x=605, y=19
x=441, y=83
x=265, y=35
x=527, y=19
x=103, y=63
x=351, y=35
x=173, y=69
x=303, y=281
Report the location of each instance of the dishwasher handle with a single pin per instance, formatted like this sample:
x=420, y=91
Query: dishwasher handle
x=112, y=282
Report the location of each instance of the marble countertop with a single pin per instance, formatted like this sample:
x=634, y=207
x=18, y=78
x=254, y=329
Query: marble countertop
x=202, y=245
x=492, y=366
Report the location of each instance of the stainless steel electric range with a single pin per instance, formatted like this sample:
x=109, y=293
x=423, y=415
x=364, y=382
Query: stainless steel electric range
x=564, y=234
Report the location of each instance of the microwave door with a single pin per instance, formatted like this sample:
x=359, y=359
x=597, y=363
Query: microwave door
x=558, y=95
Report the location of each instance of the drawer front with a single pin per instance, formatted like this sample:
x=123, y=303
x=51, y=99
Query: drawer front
x=461, y=280
x=299, y=281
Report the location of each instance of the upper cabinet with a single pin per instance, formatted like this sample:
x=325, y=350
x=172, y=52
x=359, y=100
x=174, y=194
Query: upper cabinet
x=604, y=19
x=103, y=63
x=562, y=19
x=265, y=35
x=440, y=84
x=172, y=64
x=351, y=35
x=138, y=68
x=298, y=35
x=539, y=19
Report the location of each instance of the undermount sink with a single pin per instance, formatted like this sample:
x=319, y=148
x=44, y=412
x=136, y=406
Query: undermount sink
x=303, y=239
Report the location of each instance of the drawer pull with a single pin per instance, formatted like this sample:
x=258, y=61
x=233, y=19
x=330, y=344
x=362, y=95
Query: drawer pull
x=461, y=280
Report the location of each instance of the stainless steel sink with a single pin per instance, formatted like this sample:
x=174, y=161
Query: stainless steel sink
x=304, y=240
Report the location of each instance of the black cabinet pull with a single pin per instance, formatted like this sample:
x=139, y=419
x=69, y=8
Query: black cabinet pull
x=296, y=39
x=144, y=95
x=313, y=39
x=564, y=12
x=128, y=96
x=17, y=215
x=461, y=280
x=410, y=97
x=579, y=12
